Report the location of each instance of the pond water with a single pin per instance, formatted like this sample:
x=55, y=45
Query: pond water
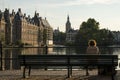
x=10, y=55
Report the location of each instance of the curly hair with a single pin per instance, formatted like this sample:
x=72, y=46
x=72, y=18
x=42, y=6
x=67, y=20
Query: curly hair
x=92, y=43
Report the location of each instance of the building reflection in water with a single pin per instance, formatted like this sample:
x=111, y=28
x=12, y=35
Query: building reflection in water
x=10, y=56
x=10, y=59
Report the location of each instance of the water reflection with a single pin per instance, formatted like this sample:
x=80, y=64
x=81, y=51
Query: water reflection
x=10, y=55
x=10, y=59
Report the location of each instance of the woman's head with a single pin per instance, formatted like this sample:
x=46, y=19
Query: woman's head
x=92, y=43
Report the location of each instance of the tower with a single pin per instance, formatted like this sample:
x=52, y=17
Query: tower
x=17, y=27
x=68, y=24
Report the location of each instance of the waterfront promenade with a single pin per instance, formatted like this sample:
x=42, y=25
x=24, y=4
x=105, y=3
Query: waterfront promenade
x=38, y=74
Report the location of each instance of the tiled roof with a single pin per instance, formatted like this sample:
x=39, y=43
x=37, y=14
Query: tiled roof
x=45, y=22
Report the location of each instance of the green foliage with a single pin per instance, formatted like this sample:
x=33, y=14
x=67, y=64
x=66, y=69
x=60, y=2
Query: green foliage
x=105, y=37
x=90, y=30
x=91, y=24
x=59, y=38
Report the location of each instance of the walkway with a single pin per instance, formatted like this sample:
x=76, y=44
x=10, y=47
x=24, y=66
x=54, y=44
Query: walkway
x=38, y=74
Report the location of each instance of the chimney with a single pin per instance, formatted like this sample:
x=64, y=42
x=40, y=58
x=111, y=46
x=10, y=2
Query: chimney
x=24, y=15
x=19, y=9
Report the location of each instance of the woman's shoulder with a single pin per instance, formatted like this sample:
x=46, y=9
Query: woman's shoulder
x=93, y=47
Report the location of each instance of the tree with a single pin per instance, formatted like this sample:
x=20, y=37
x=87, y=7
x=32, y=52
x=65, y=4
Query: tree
x=59, y=38
x=91, y=24
x=87, y=31
x=90, y=30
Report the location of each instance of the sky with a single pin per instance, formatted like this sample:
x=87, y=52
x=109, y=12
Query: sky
x=106, y=12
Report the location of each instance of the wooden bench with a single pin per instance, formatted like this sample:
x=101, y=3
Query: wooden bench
x=68, y=61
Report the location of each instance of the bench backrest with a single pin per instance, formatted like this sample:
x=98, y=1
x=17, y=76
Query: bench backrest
x=43, y=60
x=68, y=60
x=95, y=60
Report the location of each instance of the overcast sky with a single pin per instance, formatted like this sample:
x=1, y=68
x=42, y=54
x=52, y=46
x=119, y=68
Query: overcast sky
x=106, y=12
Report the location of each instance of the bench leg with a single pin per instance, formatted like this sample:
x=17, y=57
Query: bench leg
x=71, y=71
x=29, y=70
x=68, y=72
x=46, y=68
x=87, y=74
x=113, y=73
x=24, y=70
x=112, y=77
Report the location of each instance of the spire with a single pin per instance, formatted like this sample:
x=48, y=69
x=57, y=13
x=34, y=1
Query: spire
x=35, y=13
x=68, y=24
x=68, y=18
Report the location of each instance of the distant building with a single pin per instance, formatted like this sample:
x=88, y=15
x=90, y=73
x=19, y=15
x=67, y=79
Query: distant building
x=26, y=30
x=70, y=33
x=49, y=31
x=5, y=27
x=56, y=31
x=116, y=35
x=56, y=36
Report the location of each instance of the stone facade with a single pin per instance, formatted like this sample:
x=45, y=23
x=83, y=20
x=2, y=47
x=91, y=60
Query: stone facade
x=49, y=31
x=20, y=29
x=7, y=27
x=2, y=27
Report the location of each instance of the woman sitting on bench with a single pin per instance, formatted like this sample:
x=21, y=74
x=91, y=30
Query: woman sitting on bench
x=92, y=49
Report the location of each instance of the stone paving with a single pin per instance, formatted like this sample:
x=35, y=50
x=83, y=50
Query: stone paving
x=38, y=74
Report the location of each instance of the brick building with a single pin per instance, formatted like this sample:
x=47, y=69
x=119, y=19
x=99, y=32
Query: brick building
x=20, y=29
x=2, y=27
